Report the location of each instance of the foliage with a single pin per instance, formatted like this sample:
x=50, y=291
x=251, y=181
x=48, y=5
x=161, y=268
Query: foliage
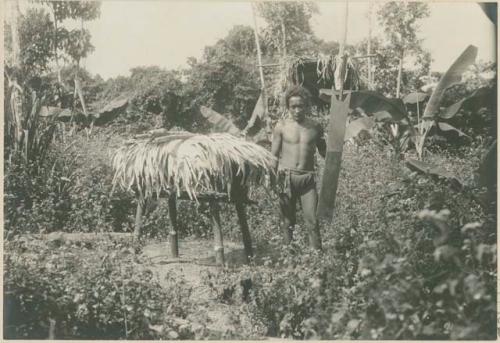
x=400, y=23
x=225, y=82
x=385, y=67
x=288, y=25
x=435, y=279
x=35, y=40
x=155, y=90
x=73, y=43
x=70, y=189
x=240, y=41
x=37, y=194
x=99, y=295
x=25, y=129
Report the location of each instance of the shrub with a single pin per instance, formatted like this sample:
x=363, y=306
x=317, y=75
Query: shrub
x=89, y=293
x=36, y=194
x=415, y=261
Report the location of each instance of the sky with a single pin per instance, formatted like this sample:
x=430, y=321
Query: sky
x=166, y=33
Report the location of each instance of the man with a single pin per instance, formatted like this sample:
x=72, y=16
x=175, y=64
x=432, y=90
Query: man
x=295, y=140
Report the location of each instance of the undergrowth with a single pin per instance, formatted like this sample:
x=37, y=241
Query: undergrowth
x=406, y=257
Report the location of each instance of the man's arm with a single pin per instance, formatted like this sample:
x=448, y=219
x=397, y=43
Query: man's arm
x=277, y=141
x=320, y=142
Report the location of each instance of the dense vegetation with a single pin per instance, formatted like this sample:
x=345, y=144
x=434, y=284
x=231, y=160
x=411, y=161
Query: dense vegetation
x=409, y=255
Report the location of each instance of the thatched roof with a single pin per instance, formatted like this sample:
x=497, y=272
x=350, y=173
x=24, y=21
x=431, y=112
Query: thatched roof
x=314, y=73
x=183, y=161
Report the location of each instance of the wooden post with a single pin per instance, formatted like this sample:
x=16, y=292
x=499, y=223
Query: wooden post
x=260, y=109
x=335, y=142
x=400, y=72
x=370, y=11
x=216, y=227
x=173, y=234
x=138, y=218
x=257, y=45
x=245, y=233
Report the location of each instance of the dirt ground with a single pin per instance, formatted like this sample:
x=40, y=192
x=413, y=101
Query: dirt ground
x=196, y=257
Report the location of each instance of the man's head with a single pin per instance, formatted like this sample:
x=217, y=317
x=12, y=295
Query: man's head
x=297, y=101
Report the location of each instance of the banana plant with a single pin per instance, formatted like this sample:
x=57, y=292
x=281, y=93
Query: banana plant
x=431, y=112
x=394, y=112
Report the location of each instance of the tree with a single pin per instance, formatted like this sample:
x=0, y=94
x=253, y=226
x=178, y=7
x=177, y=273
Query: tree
x=73, y=44
x=35, y=30
x=400, y=23
x=13, y=90
x=241, y=41
x=288, y=27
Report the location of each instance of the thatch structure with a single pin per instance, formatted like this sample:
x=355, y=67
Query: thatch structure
x=314, y=73
x=194, y=163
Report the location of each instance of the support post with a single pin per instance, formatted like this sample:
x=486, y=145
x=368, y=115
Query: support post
x=173, y=234
x=216, y=227
x=138, y=218
x=242, y=221
x=335, y=143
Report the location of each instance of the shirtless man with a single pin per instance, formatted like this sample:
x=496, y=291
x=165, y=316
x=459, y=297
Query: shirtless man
x=295, y=140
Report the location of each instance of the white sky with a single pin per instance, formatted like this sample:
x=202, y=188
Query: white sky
x=165, y=33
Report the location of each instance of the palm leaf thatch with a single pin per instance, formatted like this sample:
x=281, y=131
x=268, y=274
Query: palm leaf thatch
x=194, y=163
x=315, y=73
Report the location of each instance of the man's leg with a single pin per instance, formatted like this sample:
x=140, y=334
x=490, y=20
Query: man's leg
x=309, y=201
x=287, y=216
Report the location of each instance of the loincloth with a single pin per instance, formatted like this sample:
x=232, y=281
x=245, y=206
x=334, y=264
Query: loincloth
x=295, y=182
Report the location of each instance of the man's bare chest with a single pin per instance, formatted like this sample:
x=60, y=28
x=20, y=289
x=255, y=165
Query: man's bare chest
x=299, y=135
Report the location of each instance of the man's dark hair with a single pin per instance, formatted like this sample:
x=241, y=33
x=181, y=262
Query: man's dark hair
x=297, y=91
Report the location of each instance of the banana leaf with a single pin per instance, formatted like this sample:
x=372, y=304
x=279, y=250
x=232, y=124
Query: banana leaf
x=490, y=9
x=259, y=113
x=113, y=105
x=355, y=127
x=49, y=111
x=219, y=122
x=447, y=127
x=484, y=96
x=452, y=76
x=372, y=102
x=110, y=111
x=434, y=171
x=415, y=97
x=382, y=116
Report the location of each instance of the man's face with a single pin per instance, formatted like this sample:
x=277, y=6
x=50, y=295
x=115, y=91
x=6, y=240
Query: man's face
x=297, y=108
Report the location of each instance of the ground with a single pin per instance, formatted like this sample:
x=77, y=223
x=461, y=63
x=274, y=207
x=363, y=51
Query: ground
x=196, y=259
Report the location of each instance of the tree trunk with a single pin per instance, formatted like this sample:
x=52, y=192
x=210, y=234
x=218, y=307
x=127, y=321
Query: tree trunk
x=79, y=92
x=138, y=219
x=217, y=229
x=16, y=102
x=370, y=81
x=257, y=45
x=173, y=234
x=58, y=68
x=15, y=33
x=400, y=72
x=283, y=30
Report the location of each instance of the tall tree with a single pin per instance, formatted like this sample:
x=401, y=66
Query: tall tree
x=73, y=44
x=288, y=25
x=400, y=23
x=13, y=91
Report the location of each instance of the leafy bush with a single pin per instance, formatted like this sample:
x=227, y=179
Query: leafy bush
x=88, y=292
x=416, y=261
x=36, y=194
